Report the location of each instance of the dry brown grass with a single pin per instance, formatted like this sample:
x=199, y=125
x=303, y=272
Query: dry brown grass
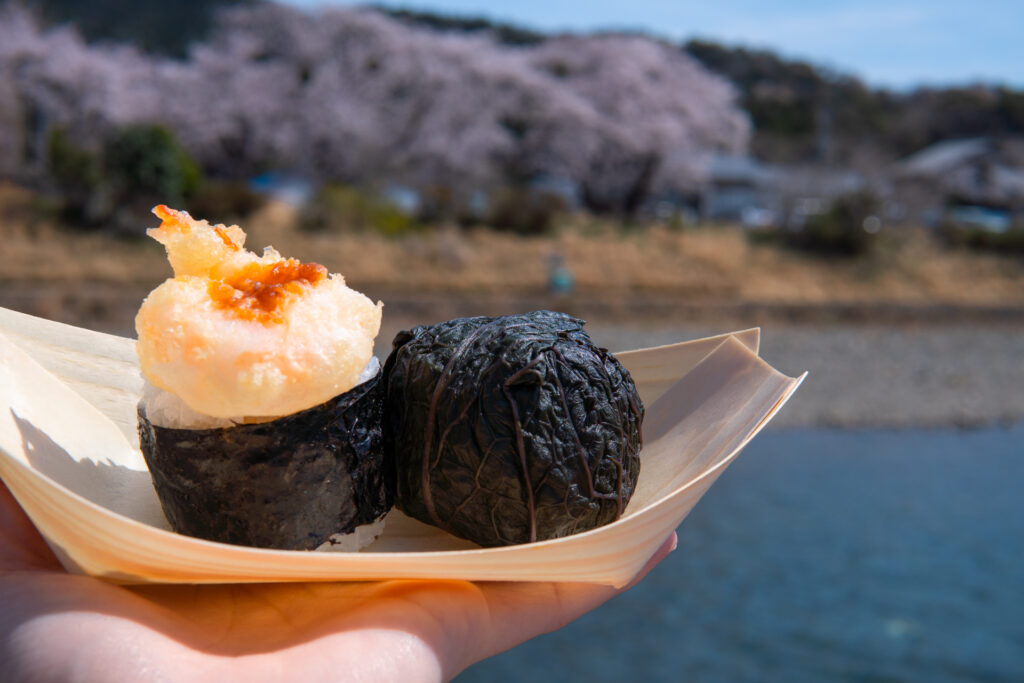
x=708, y=264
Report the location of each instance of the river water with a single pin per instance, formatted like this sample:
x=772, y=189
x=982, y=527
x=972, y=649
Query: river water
x=823, y=555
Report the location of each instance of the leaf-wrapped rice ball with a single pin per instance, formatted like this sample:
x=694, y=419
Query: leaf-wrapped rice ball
x=512, y=429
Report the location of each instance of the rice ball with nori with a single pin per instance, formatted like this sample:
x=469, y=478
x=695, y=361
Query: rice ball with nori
x=261, y=420
x=511, y=429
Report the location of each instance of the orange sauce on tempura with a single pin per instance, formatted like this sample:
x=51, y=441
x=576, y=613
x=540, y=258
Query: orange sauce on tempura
x=261, y=292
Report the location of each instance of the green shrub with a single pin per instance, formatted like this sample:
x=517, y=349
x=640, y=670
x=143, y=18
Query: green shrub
x=134, y=169
x=841, y=230
x=147, y=161
x=342, y=208
x=223, y=201
x=517, y=210
x=957, y=237
x=440, y=203
x=75, y=176
x=762, y=236
x=71, y=167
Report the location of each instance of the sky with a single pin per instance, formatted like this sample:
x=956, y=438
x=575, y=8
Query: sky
x=896, y=44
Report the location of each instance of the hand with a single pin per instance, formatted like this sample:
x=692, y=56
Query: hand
x=56, y=626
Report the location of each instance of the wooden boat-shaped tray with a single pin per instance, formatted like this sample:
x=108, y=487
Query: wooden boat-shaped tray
x=69, y=455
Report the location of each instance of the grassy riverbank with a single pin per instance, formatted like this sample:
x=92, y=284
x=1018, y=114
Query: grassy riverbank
x=649, y=269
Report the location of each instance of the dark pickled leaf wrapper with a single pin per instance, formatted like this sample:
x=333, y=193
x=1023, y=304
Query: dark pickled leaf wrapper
x=289, y=483
x=512, y=429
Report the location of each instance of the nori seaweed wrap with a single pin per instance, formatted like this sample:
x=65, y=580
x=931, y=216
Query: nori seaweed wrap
x=290, y=483
x=512, y=429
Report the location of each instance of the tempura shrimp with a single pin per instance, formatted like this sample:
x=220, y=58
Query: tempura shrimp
x=237, y=335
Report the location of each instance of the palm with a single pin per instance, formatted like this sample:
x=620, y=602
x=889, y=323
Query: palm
x=55, y=626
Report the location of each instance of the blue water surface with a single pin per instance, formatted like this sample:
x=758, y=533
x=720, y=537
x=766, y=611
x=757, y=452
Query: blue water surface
x=823, y=556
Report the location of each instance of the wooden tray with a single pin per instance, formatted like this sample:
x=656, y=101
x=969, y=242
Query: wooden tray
x=69, y=454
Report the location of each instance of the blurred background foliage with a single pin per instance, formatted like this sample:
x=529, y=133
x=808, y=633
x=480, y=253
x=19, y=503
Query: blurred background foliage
x=339, y=208
x=165, y=28
x=788, y=100
x=135, y=166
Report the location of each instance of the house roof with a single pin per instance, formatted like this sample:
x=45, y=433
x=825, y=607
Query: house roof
x=725, y=168
x=1009, y=180
x=822, y=181
x=943, y=156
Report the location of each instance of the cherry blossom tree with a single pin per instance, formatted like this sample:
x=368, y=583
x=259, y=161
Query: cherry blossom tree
x=55, y=80
x=655, y=102
x=356, y=96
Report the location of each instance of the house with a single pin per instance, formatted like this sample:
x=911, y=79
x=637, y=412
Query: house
x=700, y=186
x=982, y=172
x=808, y=190
x=736, y=187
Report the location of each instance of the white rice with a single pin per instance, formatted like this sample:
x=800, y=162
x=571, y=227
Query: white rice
x=356, y=540
x=164, y=409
